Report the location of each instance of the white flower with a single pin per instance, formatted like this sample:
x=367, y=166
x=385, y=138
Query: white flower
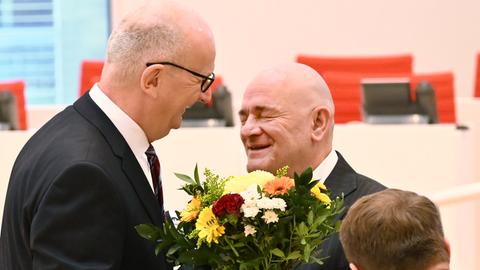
x=249, y=230
x=251, y=193
x=271, y=203
x=279, y=203
x=270, y=217
x=250, y=210
x=250, y=197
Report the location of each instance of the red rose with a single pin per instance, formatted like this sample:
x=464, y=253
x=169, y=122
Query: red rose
x=228, y=204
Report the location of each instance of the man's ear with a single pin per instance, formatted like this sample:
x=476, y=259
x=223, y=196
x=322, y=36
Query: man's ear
x=353, y=267
x=447, y=247
x=150, y=80
x=320, y=122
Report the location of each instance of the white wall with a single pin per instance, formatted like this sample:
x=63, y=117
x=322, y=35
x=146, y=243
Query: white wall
x=252, y=34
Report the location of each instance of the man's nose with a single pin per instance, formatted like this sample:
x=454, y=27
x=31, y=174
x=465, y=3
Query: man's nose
x=251, y=127
x=206, y=96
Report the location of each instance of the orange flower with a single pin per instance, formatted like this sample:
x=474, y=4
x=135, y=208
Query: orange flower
x=192, y=210
x=278, y=186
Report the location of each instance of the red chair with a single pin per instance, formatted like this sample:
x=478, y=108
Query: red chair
x=370, y=66
x=443, y=85
x=477, y=78
x=17, y=88
x=89, y=75
x=346, y=96
x=346, y=93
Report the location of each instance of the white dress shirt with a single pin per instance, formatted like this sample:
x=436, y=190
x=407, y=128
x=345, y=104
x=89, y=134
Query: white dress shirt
x=131, y=131
x=326, y=167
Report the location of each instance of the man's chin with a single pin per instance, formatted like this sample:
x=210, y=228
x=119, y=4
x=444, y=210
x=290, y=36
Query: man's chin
x=177, y=123
x=257, y=165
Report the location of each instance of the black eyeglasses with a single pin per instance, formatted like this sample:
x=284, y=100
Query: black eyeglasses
x=206, y=80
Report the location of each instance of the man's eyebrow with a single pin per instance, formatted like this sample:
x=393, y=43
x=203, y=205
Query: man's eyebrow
x=256, y=110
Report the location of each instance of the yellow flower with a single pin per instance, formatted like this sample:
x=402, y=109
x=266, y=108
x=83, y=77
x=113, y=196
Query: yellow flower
x=321, y=186
x=317, y=191
x=208, y=227
x=239, y=184
x=190, y=212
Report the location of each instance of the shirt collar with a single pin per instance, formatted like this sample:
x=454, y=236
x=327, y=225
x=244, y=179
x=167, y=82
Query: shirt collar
x=326, y=167
x=130, y=130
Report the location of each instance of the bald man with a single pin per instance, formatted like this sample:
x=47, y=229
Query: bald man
x=86, y=178
x=287, y=118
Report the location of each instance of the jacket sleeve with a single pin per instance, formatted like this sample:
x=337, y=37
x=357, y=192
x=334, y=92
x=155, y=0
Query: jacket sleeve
x=79, y=223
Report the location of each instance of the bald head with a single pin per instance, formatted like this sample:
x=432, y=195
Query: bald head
x=157, y=31
x=296, y=82
x=287, y=119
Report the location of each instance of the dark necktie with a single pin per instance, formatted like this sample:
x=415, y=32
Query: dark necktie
x=155, y=171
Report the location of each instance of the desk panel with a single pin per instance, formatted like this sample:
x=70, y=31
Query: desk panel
x=421, y=158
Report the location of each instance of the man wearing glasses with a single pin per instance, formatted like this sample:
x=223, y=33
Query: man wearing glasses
x=87, y=177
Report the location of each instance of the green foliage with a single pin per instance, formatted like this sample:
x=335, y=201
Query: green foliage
x=213, y=187
x=193, y=186
x=282, y=172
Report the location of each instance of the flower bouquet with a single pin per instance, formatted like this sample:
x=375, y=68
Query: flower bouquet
x=256, y=221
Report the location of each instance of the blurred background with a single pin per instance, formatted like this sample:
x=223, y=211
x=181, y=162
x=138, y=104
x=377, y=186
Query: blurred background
x=424, y=56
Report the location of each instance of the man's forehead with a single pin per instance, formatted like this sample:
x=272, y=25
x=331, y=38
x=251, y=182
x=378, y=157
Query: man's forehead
x=270, y=90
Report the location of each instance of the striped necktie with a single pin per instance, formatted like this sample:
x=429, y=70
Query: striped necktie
x=155, y=171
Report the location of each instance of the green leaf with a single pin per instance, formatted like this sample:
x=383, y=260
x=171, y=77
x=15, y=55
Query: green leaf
x=161, y=246
x=306, y=252
x=316, y=260
x=173, y=249
x=148, y=231
x=302, y=229
x=184, y=177
x=259, y=189
x=294, y=255
x=278, y=252
x=310, y=218
x=306, y=176
x=321, y=218
x=195, y=175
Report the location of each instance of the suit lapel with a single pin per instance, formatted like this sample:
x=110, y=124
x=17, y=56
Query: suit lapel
x=342, y=179
x=92, y=113
x=134, y=173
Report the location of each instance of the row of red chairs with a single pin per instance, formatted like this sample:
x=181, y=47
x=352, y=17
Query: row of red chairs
x=344, y=76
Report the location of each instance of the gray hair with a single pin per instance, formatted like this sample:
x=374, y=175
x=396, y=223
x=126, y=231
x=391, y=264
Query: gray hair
x=130, y=47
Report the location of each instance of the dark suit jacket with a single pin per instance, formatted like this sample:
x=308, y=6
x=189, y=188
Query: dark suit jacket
x=75, y=194
x=343, y=179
